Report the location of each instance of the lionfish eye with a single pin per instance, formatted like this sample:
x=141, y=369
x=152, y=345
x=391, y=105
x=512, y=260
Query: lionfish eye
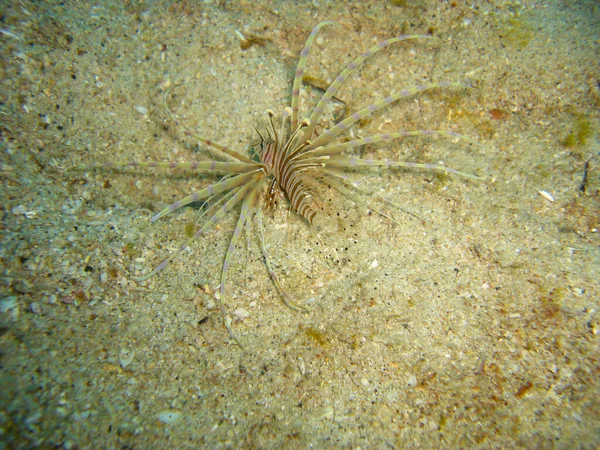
x=254, y=154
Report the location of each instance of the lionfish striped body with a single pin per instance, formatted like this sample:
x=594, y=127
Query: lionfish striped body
x=292, y=160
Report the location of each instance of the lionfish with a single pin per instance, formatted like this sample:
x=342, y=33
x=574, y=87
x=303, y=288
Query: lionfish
x=292, y=160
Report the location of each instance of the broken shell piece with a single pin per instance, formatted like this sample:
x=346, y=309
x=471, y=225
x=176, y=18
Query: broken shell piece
x=546, y=195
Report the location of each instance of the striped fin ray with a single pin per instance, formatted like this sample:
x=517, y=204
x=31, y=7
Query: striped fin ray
x=324, y=138
x=286, y=299
x=202, y=139
x=340, y=148
x=214, y=166
x=358, y=187
x=245, y=216
x=235, y=197
x=345, y=191
x=348, y=161
x=333, y=87
x=209, y=191
x=300, y=72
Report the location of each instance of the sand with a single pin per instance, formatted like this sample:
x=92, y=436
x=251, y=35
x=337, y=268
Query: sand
x=470, y=320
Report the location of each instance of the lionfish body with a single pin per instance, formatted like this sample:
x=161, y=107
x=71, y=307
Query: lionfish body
x=292, y=160
x=287, y=173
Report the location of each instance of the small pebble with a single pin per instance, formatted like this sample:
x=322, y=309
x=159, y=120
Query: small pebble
x=142, y=110
x=411, y=382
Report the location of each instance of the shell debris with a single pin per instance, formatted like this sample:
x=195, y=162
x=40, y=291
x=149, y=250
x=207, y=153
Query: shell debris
x=169, y=417
x=547, y=196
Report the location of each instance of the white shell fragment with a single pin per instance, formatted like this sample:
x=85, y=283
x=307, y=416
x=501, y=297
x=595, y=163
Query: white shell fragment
x=19, y=209
x=546, y=195
x=8, y=303
x=126, y=357
x=142, y=110
x=241, y=313
x=169, y=417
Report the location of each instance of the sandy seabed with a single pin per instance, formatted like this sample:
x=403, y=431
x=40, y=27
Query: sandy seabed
x=472, y=321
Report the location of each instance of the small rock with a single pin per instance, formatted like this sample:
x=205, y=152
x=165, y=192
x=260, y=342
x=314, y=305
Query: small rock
x=411, y=382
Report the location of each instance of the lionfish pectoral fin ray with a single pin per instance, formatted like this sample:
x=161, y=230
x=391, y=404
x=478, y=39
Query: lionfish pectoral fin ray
x=284, y=296
x=345, y=124
x=209, y=142
x=346, y=192
x=300, y=71
x=213, y=189
x=372, y=195
x=336, y=149
x=347, y=161
x=350, y=68
x=245, y=216
x=235, y=197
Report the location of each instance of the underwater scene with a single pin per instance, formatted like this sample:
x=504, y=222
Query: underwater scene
x=300, y=224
